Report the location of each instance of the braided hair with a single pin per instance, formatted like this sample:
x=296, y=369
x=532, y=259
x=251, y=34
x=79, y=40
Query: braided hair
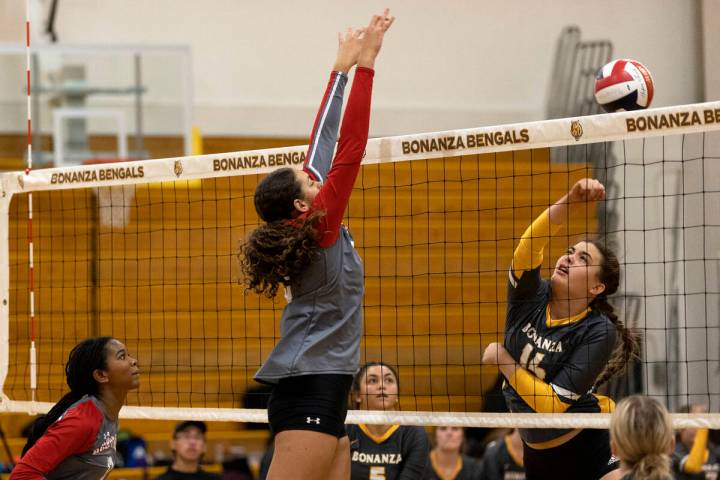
x=86, y=357
x=279, y=250
x=627, y=347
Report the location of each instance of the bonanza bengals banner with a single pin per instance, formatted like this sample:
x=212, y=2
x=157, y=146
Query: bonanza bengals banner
x=543, y=134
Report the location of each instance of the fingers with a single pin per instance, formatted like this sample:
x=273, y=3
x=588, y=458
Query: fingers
x=347, y=35
x=382, y=22
x=387, y=20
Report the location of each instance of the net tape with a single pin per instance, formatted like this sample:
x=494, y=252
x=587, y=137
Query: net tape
x=550, y=133
x=452, y=419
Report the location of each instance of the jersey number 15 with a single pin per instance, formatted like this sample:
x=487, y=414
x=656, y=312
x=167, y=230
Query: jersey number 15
x=532, y=362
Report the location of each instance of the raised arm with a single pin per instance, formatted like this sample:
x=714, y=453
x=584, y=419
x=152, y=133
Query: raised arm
x=529, y=252
x=693, y=462
x=528, y=255
x=325, y=129
x=335, y=192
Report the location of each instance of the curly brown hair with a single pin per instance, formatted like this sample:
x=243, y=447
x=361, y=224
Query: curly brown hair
x=277, y=251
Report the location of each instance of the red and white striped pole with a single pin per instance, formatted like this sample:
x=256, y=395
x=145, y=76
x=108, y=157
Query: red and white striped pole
x=28, y=169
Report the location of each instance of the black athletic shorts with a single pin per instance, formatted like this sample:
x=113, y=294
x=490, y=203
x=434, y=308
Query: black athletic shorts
x=310, y=402
x=586, y=456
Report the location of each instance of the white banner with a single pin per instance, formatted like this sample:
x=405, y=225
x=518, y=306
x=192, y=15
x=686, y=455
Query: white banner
x=520, y=136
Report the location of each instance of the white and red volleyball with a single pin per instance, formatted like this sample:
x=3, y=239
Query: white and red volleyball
x=623, y=85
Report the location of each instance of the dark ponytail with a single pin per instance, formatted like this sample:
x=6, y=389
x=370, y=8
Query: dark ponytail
x=86, y=357
x=276, y=252
x=626, y=348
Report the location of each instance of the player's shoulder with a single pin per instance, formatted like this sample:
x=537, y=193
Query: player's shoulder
x=600, y=324
x=86, y=408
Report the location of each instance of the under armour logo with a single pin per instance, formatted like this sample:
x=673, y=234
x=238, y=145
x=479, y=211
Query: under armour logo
x=315, y=420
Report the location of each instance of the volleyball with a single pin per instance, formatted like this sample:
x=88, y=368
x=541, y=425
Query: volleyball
x=622, y=85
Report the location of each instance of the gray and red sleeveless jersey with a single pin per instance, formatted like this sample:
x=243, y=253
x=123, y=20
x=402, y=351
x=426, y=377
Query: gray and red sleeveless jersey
x=80, y=445
x=321, y=325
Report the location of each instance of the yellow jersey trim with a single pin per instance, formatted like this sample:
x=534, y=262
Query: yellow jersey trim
x=378, y=438
x=564, y=321
x=438, y=472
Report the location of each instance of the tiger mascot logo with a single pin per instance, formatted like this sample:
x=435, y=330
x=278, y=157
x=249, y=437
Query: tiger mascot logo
x=576, y=129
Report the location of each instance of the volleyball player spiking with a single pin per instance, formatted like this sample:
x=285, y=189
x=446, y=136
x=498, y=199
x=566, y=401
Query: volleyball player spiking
x=303, y=246
x=560, y=342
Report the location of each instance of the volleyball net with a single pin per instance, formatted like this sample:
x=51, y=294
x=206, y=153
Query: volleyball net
x=146, y=252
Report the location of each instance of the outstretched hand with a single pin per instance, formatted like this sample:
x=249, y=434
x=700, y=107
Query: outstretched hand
x=373, y=38
x=586, y=190
x=349, y=45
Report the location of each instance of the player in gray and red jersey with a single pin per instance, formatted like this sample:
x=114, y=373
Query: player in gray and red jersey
x=77, y=438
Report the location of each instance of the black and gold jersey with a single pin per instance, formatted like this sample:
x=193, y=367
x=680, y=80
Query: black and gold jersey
x=560, y=358
x=501, y=462
x=401, y=453
x=568, y=354
x=467, y=468
x=702, y=462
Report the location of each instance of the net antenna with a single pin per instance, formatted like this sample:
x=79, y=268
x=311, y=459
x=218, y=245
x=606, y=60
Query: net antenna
x=28, y=171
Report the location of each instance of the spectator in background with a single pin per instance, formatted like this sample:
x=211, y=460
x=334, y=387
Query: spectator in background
x=503, y=459
x=695, y=458
x=390, y=452
x=237, y=468
x=447, y=461
x=188, y=447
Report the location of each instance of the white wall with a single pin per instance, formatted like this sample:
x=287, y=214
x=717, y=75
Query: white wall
x=259, y=67
x=711, y=48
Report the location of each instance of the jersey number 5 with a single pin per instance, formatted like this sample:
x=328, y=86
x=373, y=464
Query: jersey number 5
x=532, y=364
x=377, y=473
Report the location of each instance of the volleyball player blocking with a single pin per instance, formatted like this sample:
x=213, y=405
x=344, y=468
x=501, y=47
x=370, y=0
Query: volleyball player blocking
x=304, y=247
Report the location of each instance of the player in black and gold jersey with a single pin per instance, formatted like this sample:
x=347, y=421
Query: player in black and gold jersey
x=560, y=342
x=447, y=462
x=383, y=452
x=695, y=458
x=503, y=459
